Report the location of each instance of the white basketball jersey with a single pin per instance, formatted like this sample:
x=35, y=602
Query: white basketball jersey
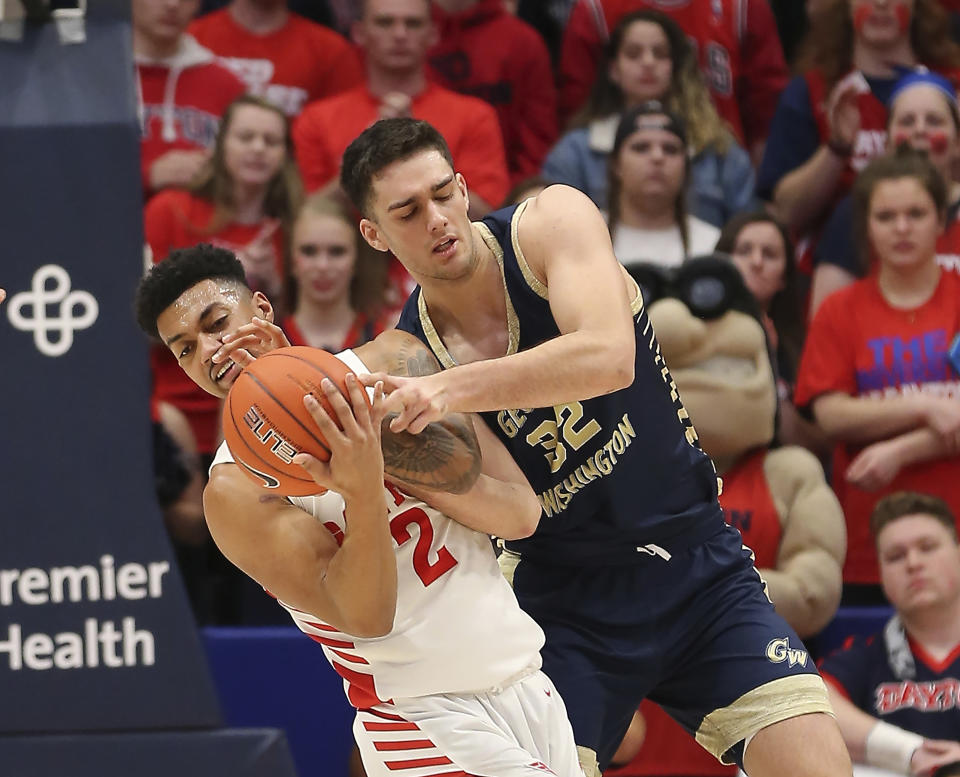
x=458, y=627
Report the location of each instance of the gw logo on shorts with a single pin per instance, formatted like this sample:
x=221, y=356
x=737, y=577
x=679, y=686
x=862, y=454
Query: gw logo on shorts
x=779, y=650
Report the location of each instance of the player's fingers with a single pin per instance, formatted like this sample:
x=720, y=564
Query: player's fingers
x=229, y=348
x=390, y=382
x=3, y=295
x=243, y=358
x=358, y=400
x=423, y=420
x=324, y=422
x=273, y=334
x=341, y=408
x=318, y=470
x=377, y=405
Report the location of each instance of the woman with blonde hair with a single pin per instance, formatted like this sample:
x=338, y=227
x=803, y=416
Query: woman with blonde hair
x=337, y=281
x=244, y=199
x=648, y=57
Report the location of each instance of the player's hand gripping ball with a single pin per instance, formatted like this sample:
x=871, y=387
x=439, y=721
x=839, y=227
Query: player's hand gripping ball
x=265, y=423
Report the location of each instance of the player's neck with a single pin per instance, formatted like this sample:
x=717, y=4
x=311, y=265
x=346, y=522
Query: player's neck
x=936, y=628
x=382, y=82
x=473, y=303
x=258, y=18
x=872, y=61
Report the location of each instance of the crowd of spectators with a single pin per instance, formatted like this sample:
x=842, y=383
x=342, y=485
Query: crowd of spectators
x=829, y=178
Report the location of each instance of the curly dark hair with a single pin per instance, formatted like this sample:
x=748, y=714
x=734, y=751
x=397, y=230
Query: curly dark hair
x=183, y=268
x=380, y=145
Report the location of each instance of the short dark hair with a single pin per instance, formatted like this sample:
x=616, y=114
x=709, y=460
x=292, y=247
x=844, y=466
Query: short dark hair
x=380, y=145
x=903, y=503
x=183, y=268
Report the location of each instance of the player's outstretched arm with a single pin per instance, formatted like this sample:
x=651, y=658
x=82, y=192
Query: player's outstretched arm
x=445, y=456
x=501, y=502
x=291, y=554
x=567, y=247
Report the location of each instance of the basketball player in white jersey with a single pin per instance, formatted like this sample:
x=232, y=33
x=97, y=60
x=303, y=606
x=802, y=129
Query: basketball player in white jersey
x=408, y=605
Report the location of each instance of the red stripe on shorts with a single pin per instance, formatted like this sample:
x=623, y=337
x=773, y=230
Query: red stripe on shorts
x=439, y=760
x=407, y=744
x=373, y=726
x=333, y=643
x=348, y=657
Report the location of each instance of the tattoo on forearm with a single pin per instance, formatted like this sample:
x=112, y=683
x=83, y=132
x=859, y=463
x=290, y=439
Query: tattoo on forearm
x=443, y=457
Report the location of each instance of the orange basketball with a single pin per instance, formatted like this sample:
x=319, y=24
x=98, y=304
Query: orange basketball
x=265, y=423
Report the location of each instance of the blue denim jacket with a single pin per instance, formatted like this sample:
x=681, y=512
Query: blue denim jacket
x=720, y=184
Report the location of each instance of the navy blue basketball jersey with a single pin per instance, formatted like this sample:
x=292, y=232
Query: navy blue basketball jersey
x=927, y=702
x=613, y=473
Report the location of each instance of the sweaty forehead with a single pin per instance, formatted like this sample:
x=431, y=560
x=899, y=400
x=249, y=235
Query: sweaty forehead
x=183, y=315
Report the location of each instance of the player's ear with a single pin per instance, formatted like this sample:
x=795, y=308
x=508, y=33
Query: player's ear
x=371, y=233
x=263, y=306
x=462, y=183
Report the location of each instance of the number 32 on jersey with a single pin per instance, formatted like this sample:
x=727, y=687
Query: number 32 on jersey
x=566, y=430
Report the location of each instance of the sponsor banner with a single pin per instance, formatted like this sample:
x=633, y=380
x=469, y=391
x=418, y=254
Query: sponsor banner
x=95, y=630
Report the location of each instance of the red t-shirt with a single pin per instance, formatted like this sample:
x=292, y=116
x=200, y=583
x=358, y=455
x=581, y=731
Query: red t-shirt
x=187, y=119
x=363, y=330
x=748, y=506
x=325, y=129
x=737, y=44
x=177, y=219
x=487, y=52
x=861, y=346
x=296, y=64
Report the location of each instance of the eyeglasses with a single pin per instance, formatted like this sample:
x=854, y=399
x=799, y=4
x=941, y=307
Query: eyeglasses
x=708, y=285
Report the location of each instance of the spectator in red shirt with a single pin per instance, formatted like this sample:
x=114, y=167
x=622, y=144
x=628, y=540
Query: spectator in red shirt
x=182, y=92
x=737, y=46
x=395, y=36
x=486, y=52
x=337, y=280
x=278, y=54
x=923, y=114
x=244, y=201
x=875, y=370
x=830, y=121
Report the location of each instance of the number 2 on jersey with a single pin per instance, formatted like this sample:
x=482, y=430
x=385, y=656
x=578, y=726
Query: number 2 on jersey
x=427, y=572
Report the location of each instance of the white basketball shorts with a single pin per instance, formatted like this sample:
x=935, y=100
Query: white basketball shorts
x=520, y=730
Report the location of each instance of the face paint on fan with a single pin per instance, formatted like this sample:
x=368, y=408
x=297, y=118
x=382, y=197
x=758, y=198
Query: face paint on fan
x=903, y=16
x=937, y=139
x=863, y=13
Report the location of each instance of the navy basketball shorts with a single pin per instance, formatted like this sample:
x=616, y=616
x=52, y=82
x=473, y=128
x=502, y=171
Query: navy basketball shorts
x=691, y=629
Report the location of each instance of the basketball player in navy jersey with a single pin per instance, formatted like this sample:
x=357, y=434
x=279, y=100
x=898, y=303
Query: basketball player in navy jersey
x=640, y=586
